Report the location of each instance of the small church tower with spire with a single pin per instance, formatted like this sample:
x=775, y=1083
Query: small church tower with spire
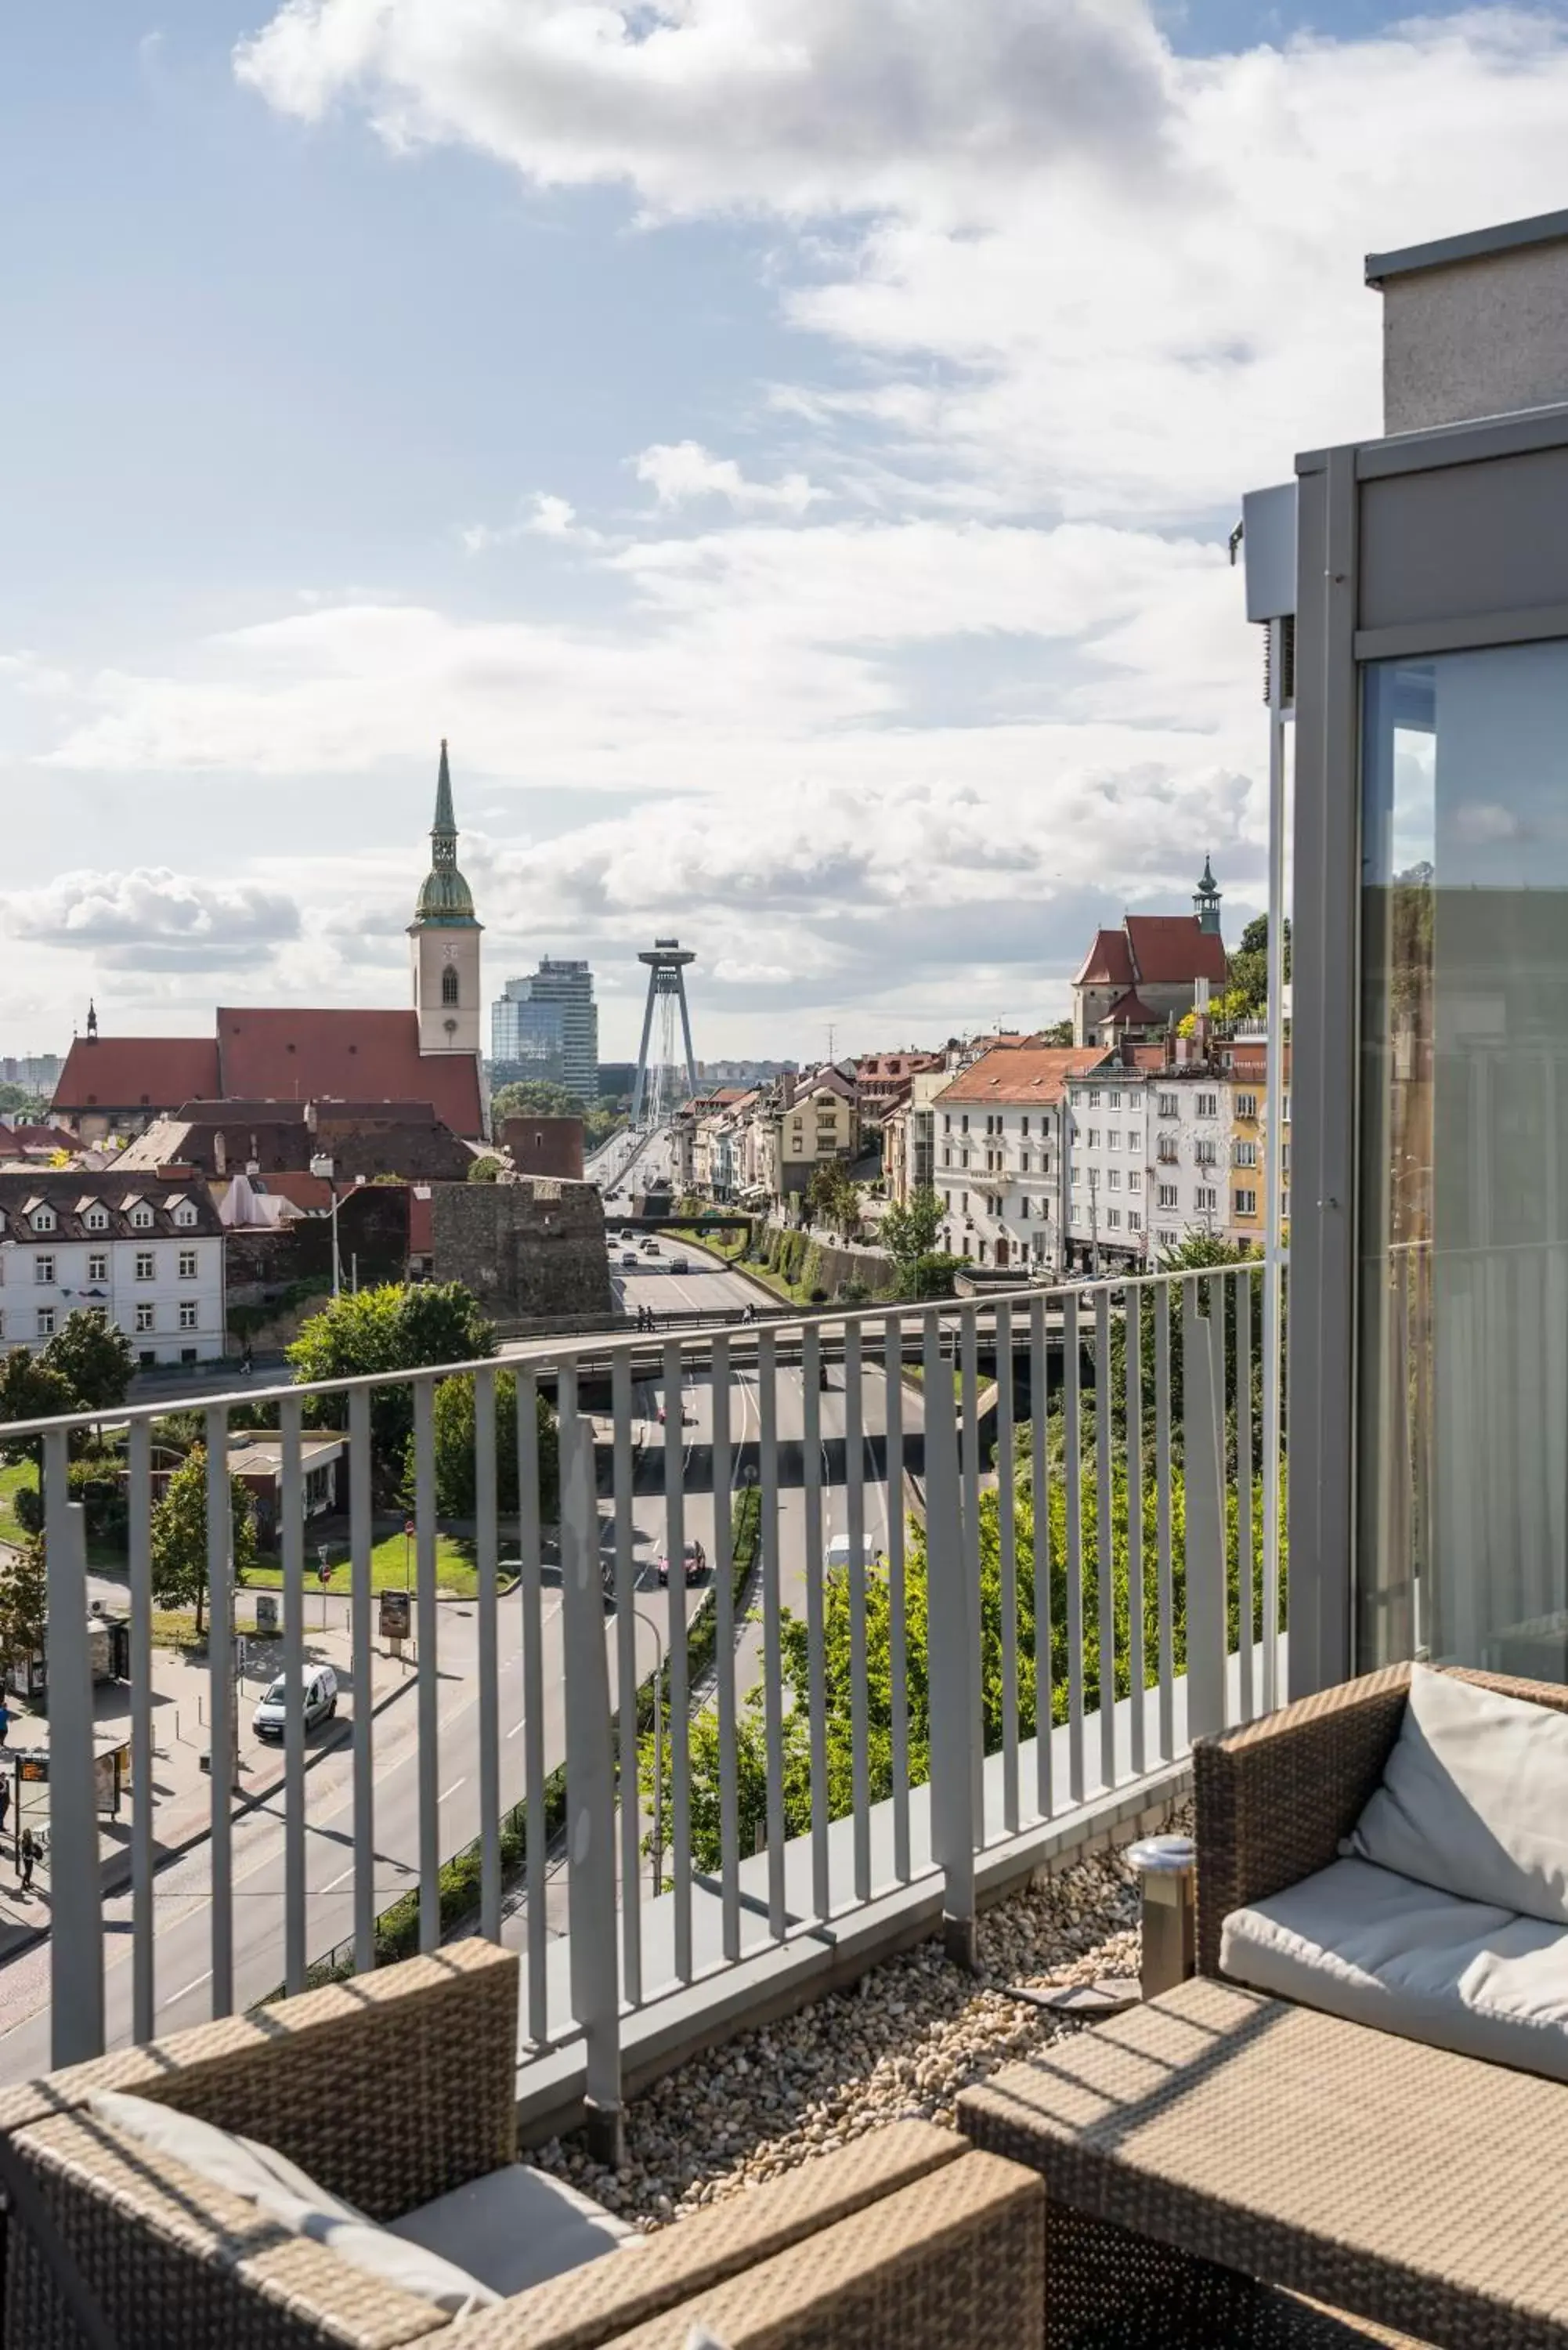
x=1206, y=902
x=443, y=941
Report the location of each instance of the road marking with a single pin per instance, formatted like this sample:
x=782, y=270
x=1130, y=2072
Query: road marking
x=173, y=1995
x=514, y=1729
x=452, y=1789
x=340, y=1877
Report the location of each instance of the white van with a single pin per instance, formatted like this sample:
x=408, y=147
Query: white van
x=320, y=1689
x=840, y=1552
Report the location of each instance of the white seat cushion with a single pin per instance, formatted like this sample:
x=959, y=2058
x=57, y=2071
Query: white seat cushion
x=1379, y=1949
x=291, y=2197
x=514, y=2228
x=1474, y=1798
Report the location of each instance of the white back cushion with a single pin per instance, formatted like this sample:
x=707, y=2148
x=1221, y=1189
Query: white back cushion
x=1474, y=1798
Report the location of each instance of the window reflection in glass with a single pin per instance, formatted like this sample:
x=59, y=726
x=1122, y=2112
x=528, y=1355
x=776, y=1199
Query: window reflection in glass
x=1462, y=1549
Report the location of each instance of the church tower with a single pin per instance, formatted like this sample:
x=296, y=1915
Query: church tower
x=443, y=941
x=1206, y=901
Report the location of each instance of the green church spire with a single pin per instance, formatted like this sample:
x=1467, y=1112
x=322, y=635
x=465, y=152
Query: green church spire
x=445, y=899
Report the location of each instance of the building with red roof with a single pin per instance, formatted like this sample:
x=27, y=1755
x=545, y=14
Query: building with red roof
x=1148, y=972
x=427, y=1053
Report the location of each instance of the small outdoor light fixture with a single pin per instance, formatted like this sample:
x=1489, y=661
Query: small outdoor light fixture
x=1165, y=1865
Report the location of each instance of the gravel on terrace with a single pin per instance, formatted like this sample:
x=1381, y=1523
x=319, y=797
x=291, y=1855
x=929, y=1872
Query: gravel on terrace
x=901, y=2045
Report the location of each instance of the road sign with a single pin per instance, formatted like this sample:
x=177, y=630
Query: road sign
x=266, y=1611
x=397, y=1615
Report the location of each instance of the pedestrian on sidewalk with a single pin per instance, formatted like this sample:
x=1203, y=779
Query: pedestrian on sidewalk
x=5, y=1802
x=26, y=1853
x=4, y=1720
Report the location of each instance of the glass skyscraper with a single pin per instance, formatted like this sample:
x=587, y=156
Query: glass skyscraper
x=547, y=1025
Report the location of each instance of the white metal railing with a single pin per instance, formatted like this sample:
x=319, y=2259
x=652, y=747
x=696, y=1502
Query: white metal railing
x=1074, y=1587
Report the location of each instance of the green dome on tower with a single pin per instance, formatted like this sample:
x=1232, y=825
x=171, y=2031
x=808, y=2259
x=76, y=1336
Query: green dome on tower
x=445, y=899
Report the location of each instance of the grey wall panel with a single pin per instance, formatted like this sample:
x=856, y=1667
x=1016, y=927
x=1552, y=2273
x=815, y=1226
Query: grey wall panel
x=1465, y=538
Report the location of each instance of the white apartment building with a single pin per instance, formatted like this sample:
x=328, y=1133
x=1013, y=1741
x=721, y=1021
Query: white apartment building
x=145, y=1252
x=997, y=1147
x=1148, y=1160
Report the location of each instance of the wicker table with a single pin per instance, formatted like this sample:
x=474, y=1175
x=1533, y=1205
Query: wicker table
x=1207, y=2149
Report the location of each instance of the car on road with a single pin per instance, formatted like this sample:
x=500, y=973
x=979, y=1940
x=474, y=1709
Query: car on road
x=651, y=1248
x=318, y=1688
x=679, y=1264
x=695, y=1563
x=628, y=1261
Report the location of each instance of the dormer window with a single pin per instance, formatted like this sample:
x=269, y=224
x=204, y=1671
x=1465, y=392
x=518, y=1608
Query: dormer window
x=44, y=1220
x=185, y=1213
x=142, y=1217
x=96, y=1219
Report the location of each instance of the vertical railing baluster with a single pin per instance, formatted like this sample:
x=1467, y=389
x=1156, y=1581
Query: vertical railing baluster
x=954, y=1826
x=898, y=1691
x=361, y=1537
x=76, y=1886
x=1136, y=1671
x=679, y=1721
x=1007, y=1550
x=293, y=1553
x=1105, y=1574
x=143, y=1796
x=590, y=1784
x=816, y=1671
x=429, y=1695
x=627, y=1680
x=530, y=1592
x=1044, y=1673
x=772, y=1647
x=485, y=1544
x=859, y=1693
x=1073, y=1442
x=1245, y=1584
x=1165, y=1589
x=1205, y=1528
x=724, y=1652
x=221, y=1704
x=968, y=1477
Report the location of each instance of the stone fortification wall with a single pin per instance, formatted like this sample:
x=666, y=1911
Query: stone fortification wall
x=528, y=1247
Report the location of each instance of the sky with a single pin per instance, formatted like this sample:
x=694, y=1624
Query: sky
x=789, y=452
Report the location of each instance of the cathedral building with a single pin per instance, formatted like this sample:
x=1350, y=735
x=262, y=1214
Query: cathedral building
x=427, y=1054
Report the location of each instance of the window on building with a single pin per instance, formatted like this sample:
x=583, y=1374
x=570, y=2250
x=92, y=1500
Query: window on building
x=98, y=1265
x=1092, y=1140
x=146, y=1264
x=1113, y=1100
x=1113, y=1179
x=1093, y=1098
x=188, y=1312
x=1113, y=1220
x=963, y=1122
x=947, y=1154
x=1284, y=1157
x=1165, y=1151
x=45, y=1321
x=1135, y=1220
x=947, y=1199
x=1023, y=1162
x=96, y=1219
x=142, y=1217
x=1285, y=1108
x=144, y=1317
x=1246, y=1154
x=963, y=1203
x=1247, y=1106
x=449, y=985
x=1168, y=1107
x=1205, y=1154
x=1114, y=1137
x=1135, y=1137
x=1024, y=1125
x=1207, y=1198
x=43, y=1219
x=1207, y=1105
x=1135, y=1179
x=1094, y=1179
x=1246, y=1203
x=44, y=1270
x=1024, y=1212
x=946, y=1121
x=1168, y=1195
x=187, y=1265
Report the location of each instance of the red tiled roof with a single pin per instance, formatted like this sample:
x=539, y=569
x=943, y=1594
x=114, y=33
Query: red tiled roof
x=136, y=1073
x=1130, y=1011
x=1170, y=951
x=363, y=1057
x=1107, y=963
x=1024, y=1074
x=300, y=1190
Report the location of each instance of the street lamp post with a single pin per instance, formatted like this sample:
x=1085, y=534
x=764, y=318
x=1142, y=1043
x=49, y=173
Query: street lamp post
x=325, y=1168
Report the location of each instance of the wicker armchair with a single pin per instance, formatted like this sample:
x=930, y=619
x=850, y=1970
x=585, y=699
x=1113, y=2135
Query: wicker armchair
x=392, y=2090
x=1273, y=1798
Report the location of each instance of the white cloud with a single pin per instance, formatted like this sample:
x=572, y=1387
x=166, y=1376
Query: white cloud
x=679, y=471
x=544, y=516
x=151, y=916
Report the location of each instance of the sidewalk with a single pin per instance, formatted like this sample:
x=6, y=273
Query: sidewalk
x=181, y=1789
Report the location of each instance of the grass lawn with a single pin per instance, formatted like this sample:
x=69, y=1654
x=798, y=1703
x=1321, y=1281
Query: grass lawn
x=14, y=1475
x=455, y=1569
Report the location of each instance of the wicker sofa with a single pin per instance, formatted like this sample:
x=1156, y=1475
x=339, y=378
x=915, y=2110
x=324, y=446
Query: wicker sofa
x=395, y=2089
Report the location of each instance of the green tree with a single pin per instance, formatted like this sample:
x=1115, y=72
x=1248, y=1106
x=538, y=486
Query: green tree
x=454, y=1470
x=95, y=1357
x=30, y=1390
x=179, y=1534
x=391, y=1328
x=832, y=1198
x=485, y=1168
x=536, y=1097
x=909, y=1232
x=1059, y=1033
x=24, y=1598
x=16, y=1101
